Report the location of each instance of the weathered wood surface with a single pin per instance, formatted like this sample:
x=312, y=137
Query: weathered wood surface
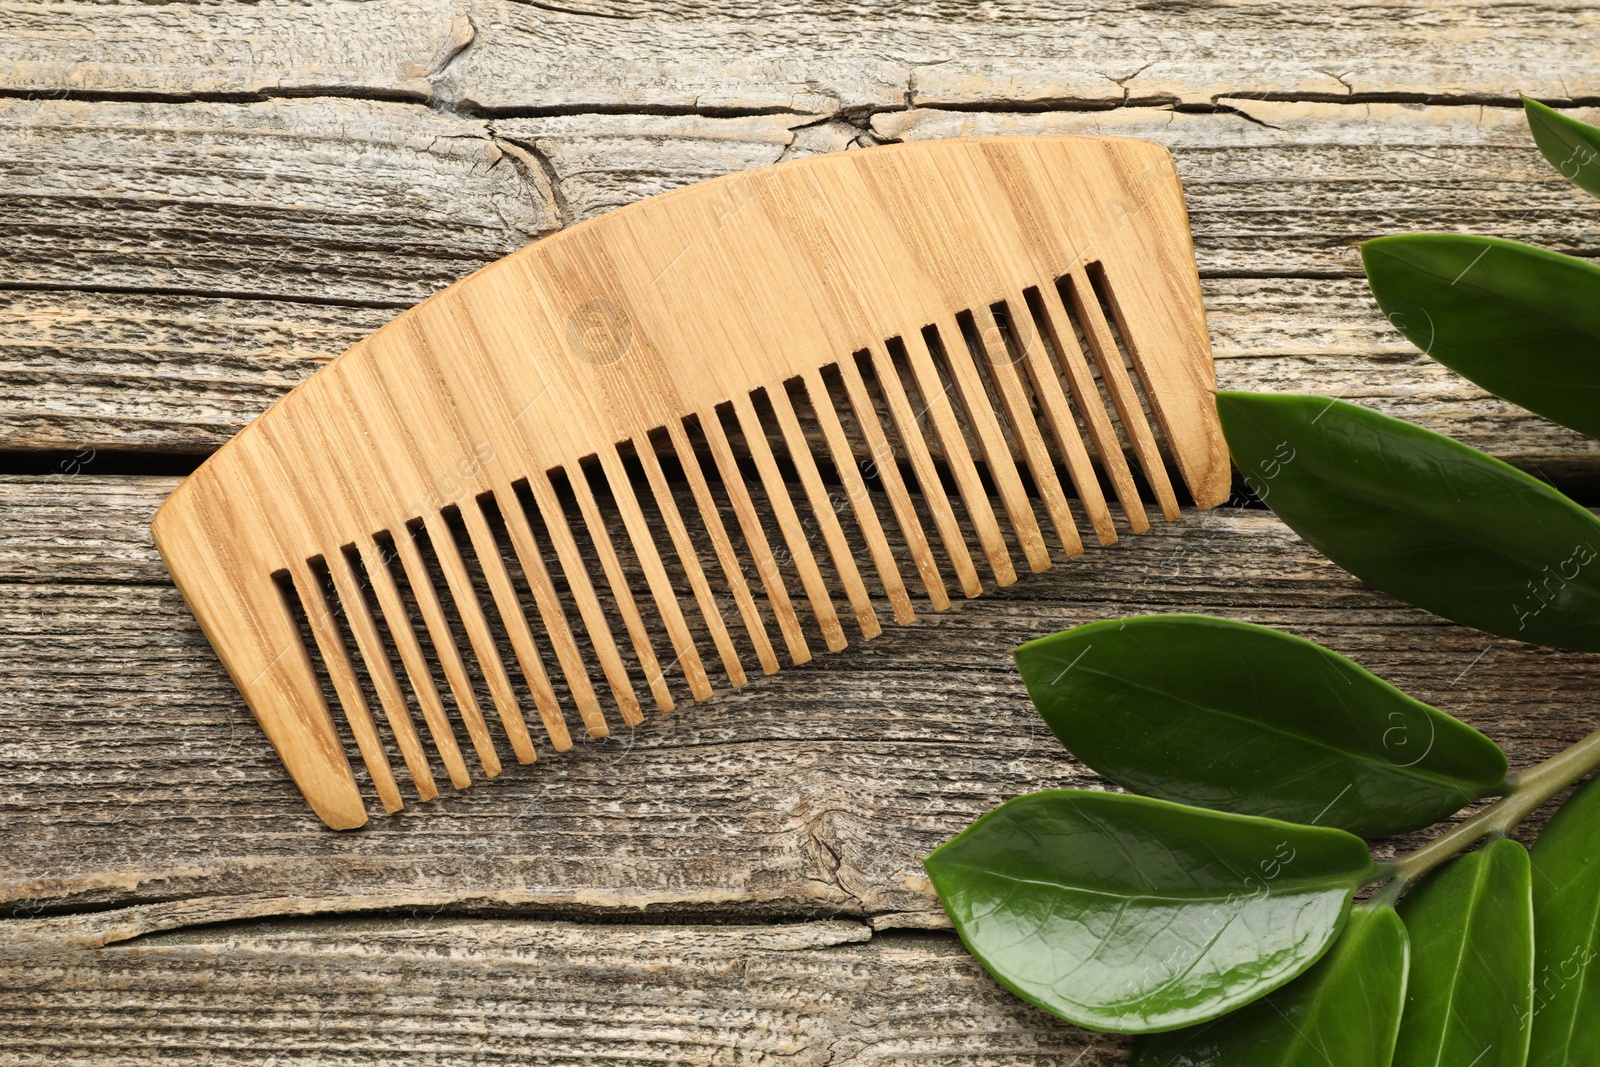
x=817, y=59
x=199, y=204
x=420, y=989
x=151, y=795
x=178, y=267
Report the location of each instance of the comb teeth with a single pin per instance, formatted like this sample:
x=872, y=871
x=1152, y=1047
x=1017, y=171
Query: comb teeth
x=1043, y=374
x=583, y=480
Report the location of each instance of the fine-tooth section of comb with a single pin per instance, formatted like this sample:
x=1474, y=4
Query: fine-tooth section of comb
x=908, y=426
x=881, y=463
x=711, y=515
x=710, y=431
x=855, y=490
x=990, y=348
x=356, y=612
x=755, y=535
x=1026, y=330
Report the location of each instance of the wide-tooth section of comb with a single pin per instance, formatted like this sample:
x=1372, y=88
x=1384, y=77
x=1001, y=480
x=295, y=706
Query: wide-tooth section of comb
x=616, y=460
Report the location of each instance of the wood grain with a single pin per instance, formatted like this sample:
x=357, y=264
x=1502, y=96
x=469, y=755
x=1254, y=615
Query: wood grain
x=813, y=792
x=205, y=201
x=315, y=200
x=654, y=316
x=417, y=988
x=184, y=50
x=1277, y=212
x=835, y=58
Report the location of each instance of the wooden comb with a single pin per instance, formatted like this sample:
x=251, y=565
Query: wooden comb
x=1014, y=305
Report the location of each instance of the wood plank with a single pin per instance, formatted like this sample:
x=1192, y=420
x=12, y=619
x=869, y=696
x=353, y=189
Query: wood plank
x=136, y=783
x=84, y=374
x=599, y=162
x=385, y=50
x=193, y=235
x=755, y=54
x=1292, y=187
x=346, y=201
x=499, y=991
x=395, y=215
x=88, y=372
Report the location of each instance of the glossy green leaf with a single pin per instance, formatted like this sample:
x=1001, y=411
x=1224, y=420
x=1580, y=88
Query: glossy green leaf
x=1471, y=984
x=1423, y=517
x=1343, y=1011
x=1572, y=147
x=1241, y=718
x=1135, y=915
x=1566, y=924
x=1520, y=321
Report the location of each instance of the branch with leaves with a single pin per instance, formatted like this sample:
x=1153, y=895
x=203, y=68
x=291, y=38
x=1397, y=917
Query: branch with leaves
x=1211, y=908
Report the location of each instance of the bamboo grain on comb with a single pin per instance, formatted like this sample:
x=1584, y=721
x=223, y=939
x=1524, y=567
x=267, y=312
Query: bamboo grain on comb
x=712, y=430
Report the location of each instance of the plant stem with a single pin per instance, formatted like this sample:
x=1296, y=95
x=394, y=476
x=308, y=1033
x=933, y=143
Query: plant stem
x=1527, y=793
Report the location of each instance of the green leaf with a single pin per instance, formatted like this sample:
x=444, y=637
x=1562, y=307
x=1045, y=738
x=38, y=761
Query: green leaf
x=1134, y=915
x=1344, y=1011
x=1423, y=517
x=1471, y=983
x=1566, y=924
x=1572, y=147
x=1520, y=321
x=1241, y=718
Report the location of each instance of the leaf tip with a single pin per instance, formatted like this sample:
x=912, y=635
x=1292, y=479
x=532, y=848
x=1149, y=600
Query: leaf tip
x=1532, y=107
x=1231, y=398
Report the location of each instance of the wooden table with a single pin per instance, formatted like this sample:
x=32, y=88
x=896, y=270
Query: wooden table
x=202, y=202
